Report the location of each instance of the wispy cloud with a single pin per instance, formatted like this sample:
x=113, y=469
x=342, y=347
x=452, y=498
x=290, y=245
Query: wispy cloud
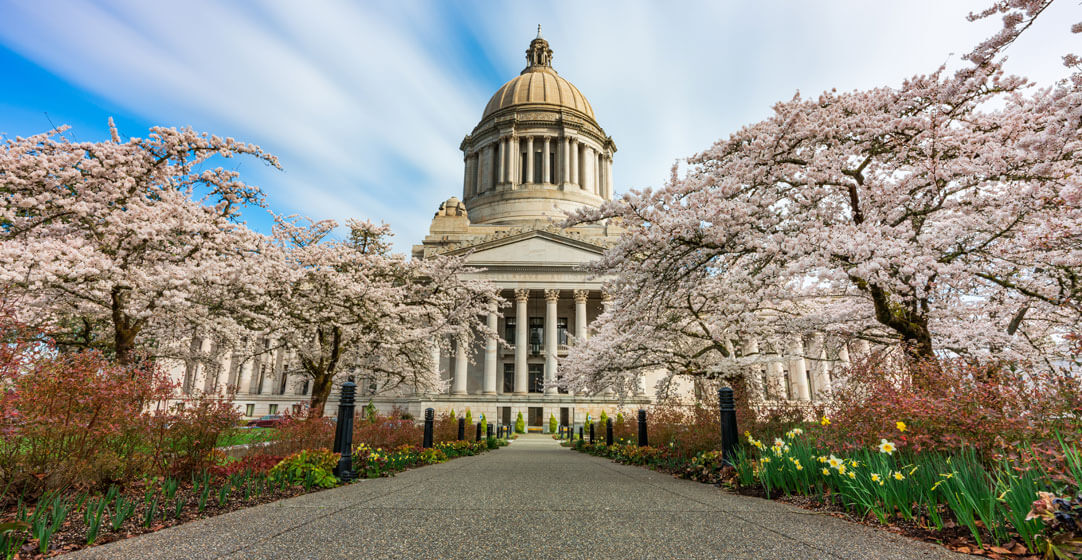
x=366, y=103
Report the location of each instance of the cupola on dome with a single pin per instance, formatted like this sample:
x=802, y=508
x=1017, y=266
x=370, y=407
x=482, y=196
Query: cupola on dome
x=539, y=84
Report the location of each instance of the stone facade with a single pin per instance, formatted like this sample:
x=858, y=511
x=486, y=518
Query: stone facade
x=537, y=153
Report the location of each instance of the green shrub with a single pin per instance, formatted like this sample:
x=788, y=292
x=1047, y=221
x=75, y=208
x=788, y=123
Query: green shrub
x=316, y=463
x=520, y=424
x=552, y=424
x=469, y=418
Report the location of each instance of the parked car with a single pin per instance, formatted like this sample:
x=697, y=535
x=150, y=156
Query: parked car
x=268, y=421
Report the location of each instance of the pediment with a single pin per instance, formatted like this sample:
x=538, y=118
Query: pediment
x=533, y=248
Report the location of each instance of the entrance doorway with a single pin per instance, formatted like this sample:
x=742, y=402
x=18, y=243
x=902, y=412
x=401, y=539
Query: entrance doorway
x=536, y=417
x=505, y=415
x=565, y=416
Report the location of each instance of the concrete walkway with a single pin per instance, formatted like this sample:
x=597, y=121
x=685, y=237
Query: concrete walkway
x=532, y=500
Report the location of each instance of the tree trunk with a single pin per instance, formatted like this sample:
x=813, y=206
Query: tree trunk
x=321, y=391
x=124, y=331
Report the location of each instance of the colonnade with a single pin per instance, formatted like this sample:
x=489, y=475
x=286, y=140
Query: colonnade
x=513, y=161
x=795, y=368
x=264, y=373
x=460, y=368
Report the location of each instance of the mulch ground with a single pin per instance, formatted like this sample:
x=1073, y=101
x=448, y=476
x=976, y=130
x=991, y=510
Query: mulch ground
x=72, y=534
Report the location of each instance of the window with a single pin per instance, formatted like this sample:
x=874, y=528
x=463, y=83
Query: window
x=552, y=167
x=262, y=376
x=509, y=378
x=509, y=330
x=249, y=409
x=537, y=335
x=536, y=378
x=305, y=386
x=522, y=168
x=272, y=409
x=538, y=161
x=561, y=330
x=495, y=166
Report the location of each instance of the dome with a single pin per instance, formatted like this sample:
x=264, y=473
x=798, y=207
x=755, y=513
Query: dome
x=539, y=84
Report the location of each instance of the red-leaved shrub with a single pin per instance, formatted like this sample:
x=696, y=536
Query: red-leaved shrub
x=79, y=419
x=387, y=431
x=953, y=404
x=258, y=463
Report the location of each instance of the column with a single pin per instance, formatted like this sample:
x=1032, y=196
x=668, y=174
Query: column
x=551, y=298
x=750, y=351
x=863, y=348
x=489, y=385
x=466, y=176
x=798, y=370
x=513, y=170
x=546, y=175
x=475, y=166
x=244, y=384
x=521, y=340
x=775, y=380
x=589, y=161
x=574, y=147
x=565, y=160
x=459, y=387
x=580, y=314
x=529, y=159
x=608, y=177
x=606, y=304
x=434, y=355
x=820, y=370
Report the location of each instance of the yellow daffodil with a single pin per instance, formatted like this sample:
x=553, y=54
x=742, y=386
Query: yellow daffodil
x=886, y=447
x=898, y=476
x=836, y=462
x=876, y=477
x=797, y=431
x=826, y=472
x=825, y=421
x=901, y=426
x=766, y=459
x=842, y=469
x=852, y=474
x=799, y=467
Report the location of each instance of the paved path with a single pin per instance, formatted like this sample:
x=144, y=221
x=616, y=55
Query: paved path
x=532, y=500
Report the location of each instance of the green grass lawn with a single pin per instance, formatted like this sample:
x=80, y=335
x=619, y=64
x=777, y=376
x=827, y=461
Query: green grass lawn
x=240, y=436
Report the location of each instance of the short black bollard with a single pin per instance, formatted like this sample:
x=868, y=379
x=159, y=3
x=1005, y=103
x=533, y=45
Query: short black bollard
x=580, y=433
x=642, y=428
x=430, y=415
x=461, y=429
x=591, y=433
x=343, y=432
x=608, y=432
x=729, y=435
x=489, y=431
x=478, y=436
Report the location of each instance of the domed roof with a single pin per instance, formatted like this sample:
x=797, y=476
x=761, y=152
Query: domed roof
x=539, y=84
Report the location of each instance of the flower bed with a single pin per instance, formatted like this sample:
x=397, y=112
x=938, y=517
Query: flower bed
x=979, y=507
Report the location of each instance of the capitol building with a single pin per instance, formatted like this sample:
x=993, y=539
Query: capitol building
x=537, y=153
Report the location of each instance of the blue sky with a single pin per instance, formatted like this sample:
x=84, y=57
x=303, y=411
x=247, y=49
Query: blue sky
x=366, y=103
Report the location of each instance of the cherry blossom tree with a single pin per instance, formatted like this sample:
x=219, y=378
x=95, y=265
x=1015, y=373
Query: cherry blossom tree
x=352, y=304
x=941, y=216
x=102, y=242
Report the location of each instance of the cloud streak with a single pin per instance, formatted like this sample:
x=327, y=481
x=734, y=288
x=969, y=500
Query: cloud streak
x=366, y=103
